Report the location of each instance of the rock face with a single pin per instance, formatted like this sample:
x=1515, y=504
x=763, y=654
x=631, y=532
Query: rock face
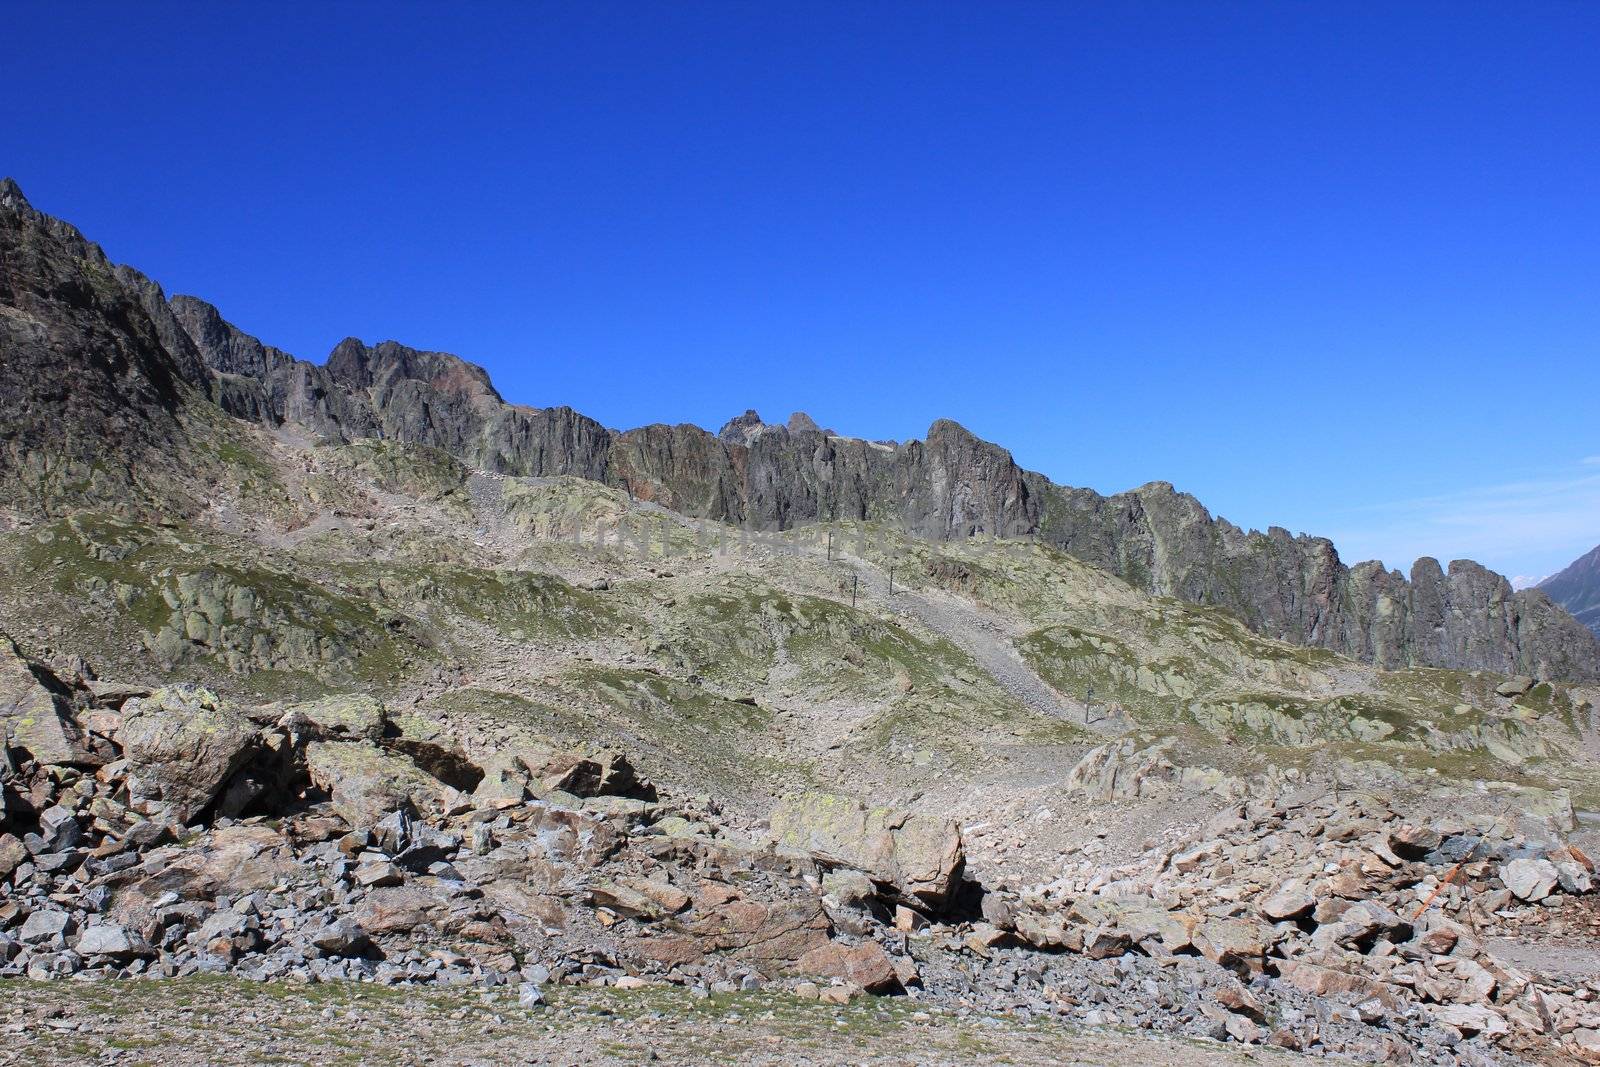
x=96, y=353
x=1577, y=588
x=1295, y=587
x=918, y=855
x=81, y=363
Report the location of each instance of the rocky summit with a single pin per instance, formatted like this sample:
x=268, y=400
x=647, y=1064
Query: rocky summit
x=352, y=712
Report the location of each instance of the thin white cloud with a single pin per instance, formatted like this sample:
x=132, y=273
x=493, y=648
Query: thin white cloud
x=1525, y=527
x=1591, y=461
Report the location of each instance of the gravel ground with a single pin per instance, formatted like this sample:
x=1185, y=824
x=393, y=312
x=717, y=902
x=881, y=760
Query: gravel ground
x=189, y=1022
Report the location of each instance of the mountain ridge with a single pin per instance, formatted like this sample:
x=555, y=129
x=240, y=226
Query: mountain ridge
x=171, y=359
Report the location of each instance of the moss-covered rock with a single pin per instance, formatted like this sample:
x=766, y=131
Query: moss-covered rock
x=364, y=782
x=182, y=744
x=920, y=856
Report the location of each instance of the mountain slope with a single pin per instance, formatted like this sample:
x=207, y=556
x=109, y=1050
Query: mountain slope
x=1577, y=588
x=81, y=364
x=357, y=672
x=951, y=485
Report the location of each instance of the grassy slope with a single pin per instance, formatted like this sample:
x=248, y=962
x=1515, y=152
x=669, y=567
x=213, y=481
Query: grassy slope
x=365, y=566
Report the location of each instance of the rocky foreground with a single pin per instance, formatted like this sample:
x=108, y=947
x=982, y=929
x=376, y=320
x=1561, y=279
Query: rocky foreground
x=173, y=835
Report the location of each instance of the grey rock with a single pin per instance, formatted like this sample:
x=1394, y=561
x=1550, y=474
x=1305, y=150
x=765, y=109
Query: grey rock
x=1514, y=687
x=59, y=862
x=58, y=826
x=1577, y=588
x=850, y=887
x=45, y=925
x=35, y=713
x=921, y=856
x=109, y=939
x=1530, y=879
x=378, y=873
x=182, y=745
x=341, y=937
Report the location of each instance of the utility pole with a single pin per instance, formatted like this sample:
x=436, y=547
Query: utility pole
x=891, y=578
x=854, y=578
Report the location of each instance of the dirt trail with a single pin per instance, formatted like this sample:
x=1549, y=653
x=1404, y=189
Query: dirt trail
x=984, y=638
x=978, y=634
x=985, y=641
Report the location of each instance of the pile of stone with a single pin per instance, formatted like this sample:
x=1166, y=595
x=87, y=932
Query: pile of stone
x=1336, y=896
x=168, y=833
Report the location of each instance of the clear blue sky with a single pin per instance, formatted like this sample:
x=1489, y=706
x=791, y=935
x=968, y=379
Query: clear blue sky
x=1334, y=267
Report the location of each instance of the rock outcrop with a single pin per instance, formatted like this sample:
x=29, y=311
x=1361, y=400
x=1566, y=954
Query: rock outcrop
x=95, y=353
x=81, y=364
x=34, y=716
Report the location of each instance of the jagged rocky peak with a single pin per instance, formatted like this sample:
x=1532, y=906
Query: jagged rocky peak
x=383, y=365
x=741, y=429
x=744, y=429
x=11, y=195
x=95, y=353
x=223, y=346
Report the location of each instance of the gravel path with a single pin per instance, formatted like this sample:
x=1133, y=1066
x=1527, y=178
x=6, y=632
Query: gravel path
x=986, y=641
x=975, y=633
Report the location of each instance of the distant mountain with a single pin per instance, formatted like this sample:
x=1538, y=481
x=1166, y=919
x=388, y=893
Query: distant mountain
x=115, y=395
x=1578, y=588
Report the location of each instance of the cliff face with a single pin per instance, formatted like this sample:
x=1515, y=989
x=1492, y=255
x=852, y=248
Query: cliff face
x=1296, y=588
x=91, y=394
x=96, y=354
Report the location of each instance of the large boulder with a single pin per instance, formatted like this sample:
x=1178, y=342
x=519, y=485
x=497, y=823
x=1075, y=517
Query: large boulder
x=866, y=965
x=599, y=774
x=1530, y=879
x=34, y=713
x=771, y=936
x=351, y=716
x=182, y=745
x=365, y=782
x=919, y=856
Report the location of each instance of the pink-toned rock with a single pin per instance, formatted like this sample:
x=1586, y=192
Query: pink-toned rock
x=866, y=965
x=1470, y=1019
x=1313, y=978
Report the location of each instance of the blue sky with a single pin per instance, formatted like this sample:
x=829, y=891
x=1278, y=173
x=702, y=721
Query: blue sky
x=1330, y=267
